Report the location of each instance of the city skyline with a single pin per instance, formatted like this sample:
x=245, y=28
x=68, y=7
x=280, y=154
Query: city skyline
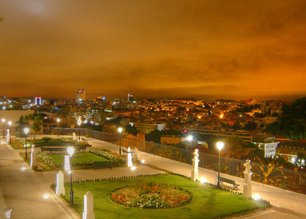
x=153, y=48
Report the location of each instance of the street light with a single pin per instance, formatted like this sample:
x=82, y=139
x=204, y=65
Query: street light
x=190, y=139
x=79, y=124
x=58, y=120
x=10, y=123
x=70, y=151
x=120, y=130
x=220, y=146
x=3, y=123
x=26, y=131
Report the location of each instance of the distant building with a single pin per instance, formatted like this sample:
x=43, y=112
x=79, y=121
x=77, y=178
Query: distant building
x=289, y=150
x=80, y=97
x=269, y=148
x=170, y=139
x=271, y=107
x=130, y=98
x=37, y=101
x=145, y=127
x=267, y=144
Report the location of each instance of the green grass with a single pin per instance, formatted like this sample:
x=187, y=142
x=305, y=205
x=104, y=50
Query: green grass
x=207, y=201
x=46, y=141
x=81, y=160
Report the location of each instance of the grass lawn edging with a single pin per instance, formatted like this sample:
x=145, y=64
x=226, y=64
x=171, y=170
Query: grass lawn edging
x=257, y=205
x=55, y=161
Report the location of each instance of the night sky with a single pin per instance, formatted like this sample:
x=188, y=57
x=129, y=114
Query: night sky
x=151, y=48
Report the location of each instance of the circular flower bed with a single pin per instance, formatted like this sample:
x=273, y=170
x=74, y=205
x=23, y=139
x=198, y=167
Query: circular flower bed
x=151, y=196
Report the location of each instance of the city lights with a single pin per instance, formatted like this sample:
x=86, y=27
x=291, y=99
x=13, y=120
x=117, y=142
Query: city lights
x=153, y=109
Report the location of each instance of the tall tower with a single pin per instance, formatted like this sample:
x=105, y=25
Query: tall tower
x=37, y=101
x=80, y=96
x=130, y=98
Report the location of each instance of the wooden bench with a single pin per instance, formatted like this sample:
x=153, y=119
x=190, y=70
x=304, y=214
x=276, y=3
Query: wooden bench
x=124, y=151
x=228, y=183
x=60, y=149
x=52, y=149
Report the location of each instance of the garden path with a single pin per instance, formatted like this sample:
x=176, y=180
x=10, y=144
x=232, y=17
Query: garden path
x=286, y=204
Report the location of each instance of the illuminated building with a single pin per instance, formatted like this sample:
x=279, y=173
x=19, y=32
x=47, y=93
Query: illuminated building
x=130, y=98
x=37, y=101
x=80, y=97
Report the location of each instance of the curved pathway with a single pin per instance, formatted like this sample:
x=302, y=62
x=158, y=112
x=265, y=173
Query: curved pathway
x=286, y=204
x=22, y=189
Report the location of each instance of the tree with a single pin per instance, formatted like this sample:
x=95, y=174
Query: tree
x=247, y=108
x=131, y=129
x=270, y=170
x=36, y=121
x=154, y=136
x=250, y=126
x=292, y=123
x=36, y=126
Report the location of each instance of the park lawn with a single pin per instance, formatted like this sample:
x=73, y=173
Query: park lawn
x=81, y=160
x=207, y=202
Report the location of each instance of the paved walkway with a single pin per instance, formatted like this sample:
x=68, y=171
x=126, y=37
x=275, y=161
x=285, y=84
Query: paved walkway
x=22, y=189
x=286, y=204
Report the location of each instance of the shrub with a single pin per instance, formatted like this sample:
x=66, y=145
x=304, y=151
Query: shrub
x=115, y=160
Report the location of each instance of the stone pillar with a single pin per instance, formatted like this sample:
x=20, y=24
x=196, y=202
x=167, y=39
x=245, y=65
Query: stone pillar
x=73, y=136
x=136, y=154
x=7, y=213
x=67, y=163
x=247, y=185
x=60, y=188
x=8, y=136
x=195, y=166
x=88, y=212
x=33, y=158
x=129, y=158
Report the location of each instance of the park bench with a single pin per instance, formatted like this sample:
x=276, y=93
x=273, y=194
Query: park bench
x=52, y=149
x=60, y=149
x=228, y=183
x=124, y=151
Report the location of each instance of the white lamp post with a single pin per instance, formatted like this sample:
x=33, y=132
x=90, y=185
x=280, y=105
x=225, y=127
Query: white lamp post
x=220, y=146
x=120, y=130
x=10, y=123
x=3, y=123
x=58, y=120
x=70, y=151
x=26, y=131
x=79, y=125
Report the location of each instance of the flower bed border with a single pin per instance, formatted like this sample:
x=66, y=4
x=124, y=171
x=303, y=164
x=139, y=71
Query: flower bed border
x=183, y=203
x=266, y=204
